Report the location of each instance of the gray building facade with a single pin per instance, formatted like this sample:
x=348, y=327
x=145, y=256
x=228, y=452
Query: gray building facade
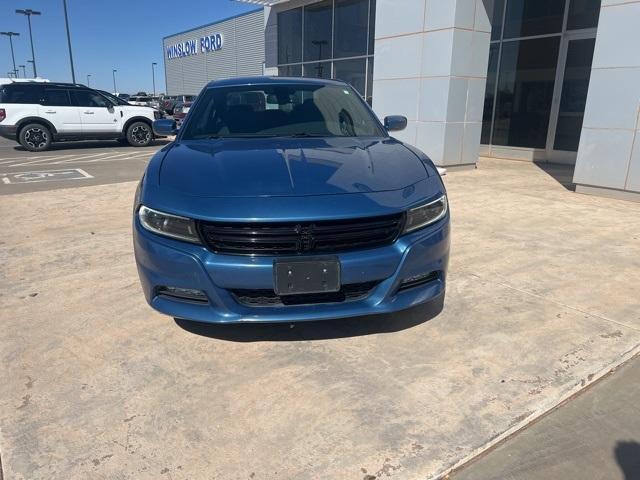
x=228, y=48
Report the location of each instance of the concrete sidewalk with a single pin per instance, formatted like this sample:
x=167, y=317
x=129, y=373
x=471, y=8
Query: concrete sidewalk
x=594, y=436
x=542, y=300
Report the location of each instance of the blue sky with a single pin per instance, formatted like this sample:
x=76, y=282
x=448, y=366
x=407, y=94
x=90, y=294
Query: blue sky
x=105, y=34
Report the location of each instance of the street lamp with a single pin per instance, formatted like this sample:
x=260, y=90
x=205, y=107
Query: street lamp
x=33, y=65
x=28, y=12
x=66, y=22
x=11, y=34
x=115, y=90
x=88, y=80
x=153, y=77
x=24, y=71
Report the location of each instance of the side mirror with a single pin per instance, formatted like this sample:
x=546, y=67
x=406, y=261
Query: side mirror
x=165, y=127
x=110, y=109
x=394, y=123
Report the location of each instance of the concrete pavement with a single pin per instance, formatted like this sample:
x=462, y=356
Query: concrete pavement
x=541, y=301
x=594, y=436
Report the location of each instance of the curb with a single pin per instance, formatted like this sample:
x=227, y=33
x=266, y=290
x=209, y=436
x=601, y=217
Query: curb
x=541, y=411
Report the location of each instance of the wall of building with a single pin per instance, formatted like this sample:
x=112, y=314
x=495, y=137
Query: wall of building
x=608, y=159
x=431, y=66
x=242, y=54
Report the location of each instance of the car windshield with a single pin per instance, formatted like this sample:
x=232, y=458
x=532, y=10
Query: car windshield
x=299, y=110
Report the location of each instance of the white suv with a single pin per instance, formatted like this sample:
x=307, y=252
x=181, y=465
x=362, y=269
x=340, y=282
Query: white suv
x=36, y=114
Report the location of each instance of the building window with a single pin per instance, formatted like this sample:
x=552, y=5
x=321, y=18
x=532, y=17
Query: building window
x=290, y=36
x=525, y=91
x=329, y=39
x=318, y=25
x=525, y=18
x=538, y=75
x=352, y=19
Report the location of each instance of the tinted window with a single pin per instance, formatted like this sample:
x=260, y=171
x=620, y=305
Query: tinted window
x=281, y=110
x=574, y=94
x=496, y=19
x=350, y=35
x=56, y=97
x=88, y=98
x=317, y=31
x=369, y=97
x=353, y=72
x=583, y=14
x=20, y=93
x=290, y=71
x=533, y=17
x=317, y=70
x=290, y=36
x=525, y=91
x=489, y=96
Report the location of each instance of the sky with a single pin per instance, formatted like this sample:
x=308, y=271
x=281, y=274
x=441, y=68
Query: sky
x=124, y=35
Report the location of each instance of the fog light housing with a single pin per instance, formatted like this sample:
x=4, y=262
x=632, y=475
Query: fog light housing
x=417, y=280
x=188, y=294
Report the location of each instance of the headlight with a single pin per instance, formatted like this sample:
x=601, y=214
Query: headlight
x=168, y=225
x=426, y=214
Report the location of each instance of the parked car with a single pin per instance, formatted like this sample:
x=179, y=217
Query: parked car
x=142, y=101
x=170, y=102
x=302, y=209
x=37, y=114
x=124, y=96
x=180, y=111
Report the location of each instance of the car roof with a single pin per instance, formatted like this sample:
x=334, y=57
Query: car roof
x=47, y=84
x=239, y=81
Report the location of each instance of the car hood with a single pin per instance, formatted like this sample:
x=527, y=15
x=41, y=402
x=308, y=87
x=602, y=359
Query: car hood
x=289, y=167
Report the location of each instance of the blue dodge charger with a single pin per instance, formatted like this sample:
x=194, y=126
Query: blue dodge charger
x=286, y=199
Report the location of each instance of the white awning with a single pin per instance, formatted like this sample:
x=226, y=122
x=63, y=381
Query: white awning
x=264, y=3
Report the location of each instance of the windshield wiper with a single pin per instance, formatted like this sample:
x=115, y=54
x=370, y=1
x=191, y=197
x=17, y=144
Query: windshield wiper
x=305, y=134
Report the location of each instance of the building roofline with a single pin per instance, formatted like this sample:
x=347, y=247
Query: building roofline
x=213, y=23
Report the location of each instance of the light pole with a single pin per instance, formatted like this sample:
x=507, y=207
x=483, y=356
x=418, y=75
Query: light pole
x=28, y=12
x=115, y=90
x=11, y=34
x=33, y=65
x=88, y=80
x=24, y=71
x=153, y=77
x=66, y=22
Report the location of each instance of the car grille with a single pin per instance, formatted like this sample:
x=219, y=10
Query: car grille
x=268, y=298
x=301, y=237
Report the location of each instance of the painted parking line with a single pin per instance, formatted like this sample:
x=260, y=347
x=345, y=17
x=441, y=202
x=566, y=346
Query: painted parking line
x=98, y=157
x=44, y=176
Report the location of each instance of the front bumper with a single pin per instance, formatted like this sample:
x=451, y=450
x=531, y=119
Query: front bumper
x=165, y=262
x=8, y=131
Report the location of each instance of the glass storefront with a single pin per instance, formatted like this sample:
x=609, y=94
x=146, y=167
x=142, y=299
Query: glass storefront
x=538, y=73
x=329, y=39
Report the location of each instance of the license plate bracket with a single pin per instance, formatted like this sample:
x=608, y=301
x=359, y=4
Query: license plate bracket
x=295, y=276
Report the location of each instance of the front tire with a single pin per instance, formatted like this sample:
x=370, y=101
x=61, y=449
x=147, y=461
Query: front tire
x=139, y=134
x=35, y=137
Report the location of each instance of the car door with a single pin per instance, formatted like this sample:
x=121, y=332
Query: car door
x=97, y=112
x=56, y=107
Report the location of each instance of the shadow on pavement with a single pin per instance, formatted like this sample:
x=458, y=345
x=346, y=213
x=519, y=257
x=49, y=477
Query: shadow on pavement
x=91, y=144
x=316, y=330
x=628, y=457
x=563, y=174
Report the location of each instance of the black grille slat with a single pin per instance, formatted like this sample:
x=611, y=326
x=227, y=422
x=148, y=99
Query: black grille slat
x=268, y=298
x=300, y=237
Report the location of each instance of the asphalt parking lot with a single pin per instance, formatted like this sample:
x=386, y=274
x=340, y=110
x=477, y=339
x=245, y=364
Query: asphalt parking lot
x=542, y=301
x=71, y=164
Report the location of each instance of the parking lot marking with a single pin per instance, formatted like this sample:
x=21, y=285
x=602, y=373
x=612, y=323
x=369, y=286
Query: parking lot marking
x=79, y=158
x=45, y=176
x=41, y=159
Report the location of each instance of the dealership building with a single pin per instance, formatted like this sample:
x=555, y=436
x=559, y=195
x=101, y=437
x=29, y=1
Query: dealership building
x=553, y=81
